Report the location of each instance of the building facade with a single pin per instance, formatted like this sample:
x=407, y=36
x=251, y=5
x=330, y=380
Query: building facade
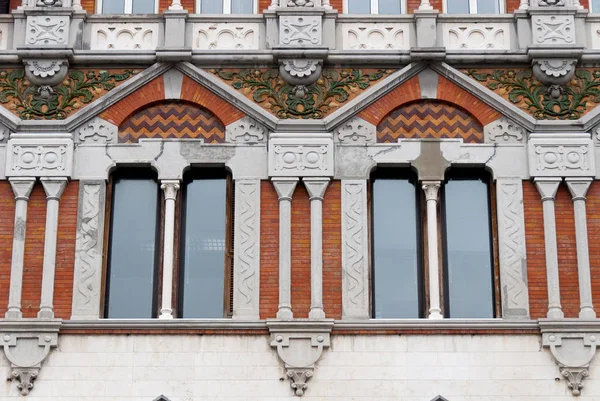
x=368, y=200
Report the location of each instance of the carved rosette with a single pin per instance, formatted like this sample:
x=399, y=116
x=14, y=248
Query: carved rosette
x=555, y=73
x=39, y=157
x=299, y=345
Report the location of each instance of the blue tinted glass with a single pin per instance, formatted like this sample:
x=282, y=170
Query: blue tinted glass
x=204, y=258
x=468, y=253
x=596, y=6
x=242, y=6
x=132, y=248
x=113, y=6
x=211, y=7
x=143, y=6
x=488, y=6
x=359, y=7
x=396, y=281
x=390, y=7
x=458, y=6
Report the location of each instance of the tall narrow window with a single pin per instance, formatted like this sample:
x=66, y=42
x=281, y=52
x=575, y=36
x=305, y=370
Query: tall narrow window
x=204, y=289
x=127, y=6
x=474, y=6
x=595, y=6
x=397, y=276
x=468, y=256
x=4, y=6
x=375, y=6
x=133, y=246
x=225, y=6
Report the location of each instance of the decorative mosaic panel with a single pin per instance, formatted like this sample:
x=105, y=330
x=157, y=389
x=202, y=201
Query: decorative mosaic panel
x=172, y=120
x=429, y=119
x=569, y=102
x=331, y=91
x=80, y=87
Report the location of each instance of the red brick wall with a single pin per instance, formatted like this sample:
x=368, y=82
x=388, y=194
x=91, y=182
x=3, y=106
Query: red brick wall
x=593, y=221
x=413, y=5
x=332, y=251
x=300, y=252
x=7, y=218
x=536, y=259
x=567, y=252
x=269, y=251
x=65, y=251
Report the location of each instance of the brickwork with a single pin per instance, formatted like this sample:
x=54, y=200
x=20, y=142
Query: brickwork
x=407, y=92
x=65, y=251
x=429, y=119
x=593, y=222
x=7, y=218
x=195, y=93
x=153, y=91
x=536, y=259
x=88, y=5
x=452, y=93
x=300, y=252
x=269, y=251
x=332, y=251
x=413, y=5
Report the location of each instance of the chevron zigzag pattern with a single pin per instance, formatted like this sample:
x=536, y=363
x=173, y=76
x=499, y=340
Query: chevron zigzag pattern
x=172, y=120
x=429, y=119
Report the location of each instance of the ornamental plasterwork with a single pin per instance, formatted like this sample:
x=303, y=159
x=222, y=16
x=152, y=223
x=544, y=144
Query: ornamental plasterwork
x=571, y=155
x=571, y=101
x=34, y=158
x=32, y=102
x=334, y=88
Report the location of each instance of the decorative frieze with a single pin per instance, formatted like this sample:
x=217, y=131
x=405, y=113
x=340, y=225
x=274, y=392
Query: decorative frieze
x=477, y=36
x=300, y=30
x=97, y=130
x=375, y=36
x=226, y=36
x=569, y=155
x=504, y=130
x=124, y=36
x=39, y=157
x=553, y=29
x=47, y=30
x=356, y=131
x=303, y=155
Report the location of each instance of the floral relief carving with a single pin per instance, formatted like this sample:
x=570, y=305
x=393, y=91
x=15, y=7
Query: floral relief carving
x=520, y=87
x=332, y=90
x=33, y=102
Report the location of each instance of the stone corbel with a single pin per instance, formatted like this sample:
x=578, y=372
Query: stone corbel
x=554, y=72
x=573, y=350
x=46, y=73
x=301, y=73
x=300, y=345
x=26, y=346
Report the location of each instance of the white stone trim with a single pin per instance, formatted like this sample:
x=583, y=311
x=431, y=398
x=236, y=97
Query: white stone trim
x=431, y=189
x=170, y=188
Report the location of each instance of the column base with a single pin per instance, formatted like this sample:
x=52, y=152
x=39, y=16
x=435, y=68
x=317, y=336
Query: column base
x=166, y=315
x=285, y=312
x=316, y=313
x=45, y=314
x=555, y=313
x=435, y=314
x=587, y=313
x=13, y=314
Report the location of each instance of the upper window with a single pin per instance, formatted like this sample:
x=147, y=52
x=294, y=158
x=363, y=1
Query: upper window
x=375, y=6
x=595, y=6
x=474, y=6
x=4, y=6
x=203, y=246
x=398, y=218
x=225, y=6
x=128, y=6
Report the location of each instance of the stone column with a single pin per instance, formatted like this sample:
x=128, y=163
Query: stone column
x=285, y=190
x=316, y=188
x=547, y=188
x=274, y=4
x=327, y=5
x=425, y=5
x=524, y=5
x=22, y=189
x=432, y=189
x=176, y=5
x=77, y=5
x=170, y=188
x=578, y=188
x=54, y=188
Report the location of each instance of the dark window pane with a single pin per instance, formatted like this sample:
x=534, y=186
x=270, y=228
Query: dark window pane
x=359, y=7
x=143, y=6
x=488, y=6
x=211, y=7
x=204, y=248
x=242, y=6
x=113, y=6
x=468, y=253
x=396, y=279
x=4, y=6
x=389, y=7
x=133, y=248
x=596, y=6
x=458, y=7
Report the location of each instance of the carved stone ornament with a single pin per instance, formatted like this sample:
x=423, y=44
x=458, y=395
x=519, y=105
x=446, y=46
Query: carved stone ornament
x=572, y=352
x=300, y=30
x=46, y=72
x=300, y=345
x=554, y=73
x=49, y=3
x=97, y=131
x=245, y=130
x=301, y=73
x=561, y=155
x=47, y=30
x=39, y=157
x=504, y=130
x=27, y=350
x=356, y=132
x=300, y=3
x=551, y=3
x=301, y=155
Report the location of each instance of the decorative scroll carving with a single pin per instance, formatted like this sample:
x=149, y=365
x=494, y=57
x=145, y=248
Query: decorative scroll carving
x=355, y=265
x=224, y=36
x=553, y=29
x=513, y=258
x=34, y=158
x=97, y=130
x=247, y=249
x=47, y=30
x=504, y=130
x=308, y=155
x=470, y=36
x=356, y=132
x=568, y=156
x=375, y=36
x=300, y=30
x=245, y=130
x=124, y=36
x=88, y=250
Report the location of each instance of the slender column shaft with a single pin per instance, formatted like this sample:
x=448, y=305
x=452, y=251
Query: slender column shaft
x=431, y=189
x=425, y=5
x=547, y=188
x=285, y=190
x=274, y=4
x=316, y=188
x=54, y=188
x=176, y=5
x=578, y=188
x=77, y=5
x=326, y=4
x=22, y=189
x=524, y=5
x=170, y=188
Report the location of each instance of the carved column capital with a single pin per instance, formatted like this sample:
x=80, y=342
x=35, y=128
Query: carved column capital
x=170, y=188
x=54, y=187
x=547, y=187
x=22, y=187
x=431, y=189
x=285, y=187
x=316, y=187
x=578, y=186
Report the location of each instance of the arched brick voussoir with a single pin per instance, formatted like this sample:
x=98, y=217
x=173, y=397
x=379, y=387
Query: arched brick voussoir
x=154, y=91
x=408, y=91
x=452, y=93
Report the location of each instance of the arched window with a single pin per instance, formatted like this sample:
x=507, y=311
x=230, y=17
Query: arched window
x=474, y=6
x=375, y=6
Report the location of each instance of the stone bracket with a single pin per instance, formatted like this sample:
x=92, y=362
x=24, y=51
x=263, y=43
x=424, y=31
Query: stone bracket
x=300, y=344
x=26, y=345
